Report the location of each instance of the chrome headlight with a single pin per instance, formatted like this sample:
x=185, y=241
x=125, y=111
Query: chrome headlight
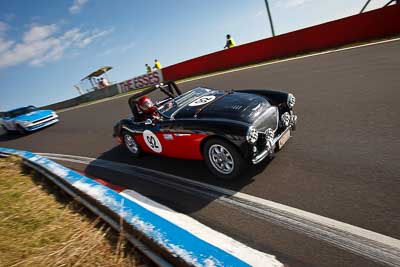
x=291, y=100
x=269, y=134
x=252, y=135
x=286, y=119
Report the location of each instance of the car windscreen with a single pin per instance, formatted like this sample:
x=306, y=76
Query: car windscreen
x=17, y=112
x=174, y=105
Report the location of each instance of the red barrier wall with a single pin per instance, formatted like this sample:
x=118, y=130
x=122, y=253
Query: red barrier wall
x=370, y=25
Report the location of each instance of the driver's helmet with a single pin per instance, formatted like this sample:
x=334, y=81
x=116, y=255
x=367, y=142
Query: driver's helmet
x=146, y=105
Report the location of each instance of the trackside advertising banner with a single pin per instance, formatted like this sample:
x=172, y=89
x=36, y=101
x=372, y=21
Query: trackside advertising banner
x=145, y=80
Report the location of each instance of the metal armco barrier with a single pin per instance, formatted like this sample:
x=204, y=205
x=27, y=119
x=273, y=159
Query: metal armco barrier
x=162, y=241
x=367, y=26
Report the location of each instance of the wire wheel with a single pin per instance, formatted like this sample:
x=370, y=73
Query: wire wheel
x=221, y=159
x=131, y=144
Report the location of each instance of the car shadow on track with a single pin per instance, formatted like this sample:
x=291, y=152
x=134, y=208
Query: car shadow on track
x=189, y=169
x=11, y=136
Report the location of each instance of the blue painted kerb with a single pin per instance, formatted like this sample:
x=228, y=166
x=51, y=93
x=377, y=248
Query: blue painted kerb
x=174, y=239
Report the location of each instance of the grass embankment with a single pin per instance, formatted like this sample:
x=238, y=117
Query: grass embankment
x=42, y=226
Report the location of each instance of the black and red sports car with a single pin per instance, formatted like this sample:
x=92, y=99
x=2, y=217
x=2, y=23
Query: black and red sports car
x=229, y=130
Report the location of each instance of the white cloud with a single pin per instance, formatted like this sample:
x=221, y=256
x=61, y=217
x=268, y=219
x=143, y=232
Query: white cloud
x=77, y=6
x=41, y=44
x=37, y=33
x=261, y=13
x=5, y=45
x=95, y=35
x=291, y=3
x=127, y=47
x=120, y=49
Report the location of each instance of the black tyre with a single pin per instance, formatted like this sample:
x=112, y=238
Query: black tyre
x=20, y=129
x=223, y=159
x=131, y=144
x=6, y=131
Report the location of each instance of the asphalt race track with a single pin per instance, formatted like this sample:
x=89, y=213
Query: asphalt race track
x=342, y=162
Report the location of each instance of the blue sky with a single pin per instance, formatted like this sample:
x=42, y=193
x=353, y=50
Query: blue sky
x=47, y=46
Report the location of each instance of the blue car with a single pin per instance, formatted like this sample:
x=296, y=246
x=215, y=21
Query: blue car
x=27, y=119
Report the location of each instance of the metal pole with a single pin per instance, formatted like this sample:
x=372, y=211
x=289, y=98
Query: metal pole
x=92, y=83
x=396, y=2
x=78, y=88
x=365, y=6
x=270, y=18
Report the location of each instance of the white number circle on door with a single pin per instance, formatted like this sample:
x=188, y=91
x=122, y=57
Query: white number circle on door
x=202, y=100
x=152, y=141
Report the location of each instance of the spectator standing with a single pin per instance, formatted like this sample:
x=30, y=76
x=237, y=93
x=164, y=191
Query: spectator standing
x=229, y=41
x=148, y=68
x=98, y=83
x=157, y=64
x=104, y=82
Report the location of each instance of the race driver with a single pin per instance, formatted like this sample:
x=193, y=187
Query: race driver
x=149, y=110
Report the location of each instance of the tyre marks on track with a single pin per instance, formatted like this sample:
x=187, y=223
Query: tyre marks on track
x=374, y=246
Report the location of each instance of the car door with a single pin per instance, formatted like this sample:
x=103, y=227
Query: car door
x=146, y=134
x=169, y=138
x=179, y=141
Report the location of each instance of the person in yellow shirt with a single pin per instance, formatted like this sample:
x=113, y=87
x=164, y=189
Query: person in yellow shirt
x=229, y=42
x=157, y=64
x=148, y=68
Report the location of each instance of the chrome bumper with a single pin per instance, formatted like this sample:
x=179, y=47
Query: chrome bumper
x=270, y=149
x=42, y=124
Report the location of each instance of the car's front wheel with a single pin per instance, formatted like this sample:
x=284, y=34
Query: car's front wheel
x=6, y=131
x=223, y=159
x=20, y=129
x=131, y=144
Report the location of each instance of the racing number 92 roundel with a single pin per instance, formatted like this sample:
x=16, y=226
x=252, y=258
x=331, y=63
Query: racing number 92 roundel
x=202, y=100
x=152, y=141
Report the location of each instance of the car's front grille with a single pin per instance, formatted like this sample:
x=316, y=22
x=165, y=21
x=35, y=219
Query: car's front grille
x=268, y=119
x=42, y=119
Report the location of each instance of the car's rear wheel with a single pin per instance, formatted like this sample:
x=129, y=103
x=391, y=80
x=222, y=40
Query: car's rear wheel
x=131, y=144
x=223, y=159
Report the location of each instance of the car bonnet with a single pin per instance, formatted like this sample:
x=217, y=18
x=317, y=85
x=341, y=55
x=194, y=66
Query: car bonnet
x=233, y=106
x=34, y=115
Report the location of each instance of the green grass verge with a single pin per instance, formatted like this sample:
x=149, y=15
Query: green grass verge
x=42, y=226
